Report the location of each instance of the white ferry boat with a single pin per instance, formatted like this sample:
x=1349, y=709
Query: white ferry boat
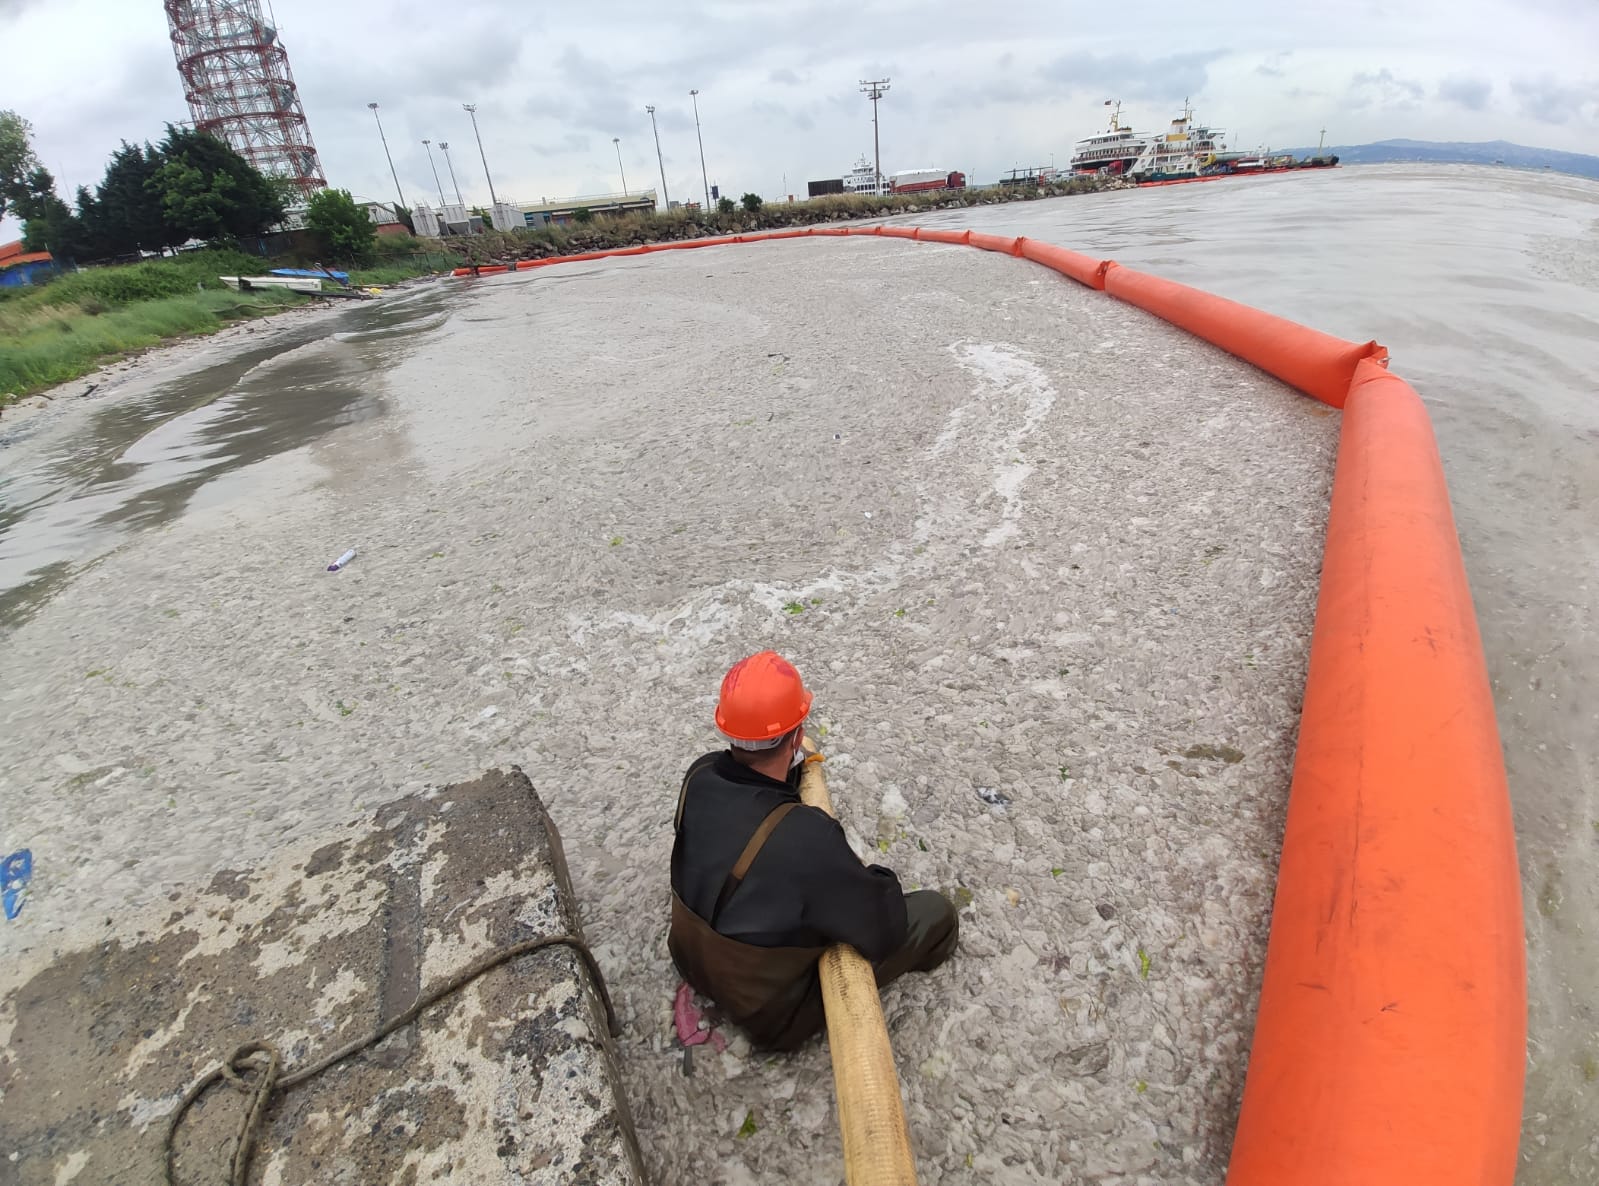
x=1187, y=150
x=1112, y=152
x=864, y=179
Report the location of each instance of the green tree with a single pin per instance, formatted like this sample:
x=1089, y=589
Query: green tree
x=208, y=191
x=127, y=213
x=196, y=205
x=345, y=231
x=284, y=193
x=48, y=223
x=17, y=161
x=752, y=202
x=726, y=205
x=583, y=215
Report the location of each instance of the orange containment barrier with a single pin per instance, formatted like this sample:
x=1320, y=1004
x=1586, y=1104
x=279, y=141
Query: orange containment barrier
x=941, y=236
x=1004, y=244
x=1068, y=263
x=1316, y=363
x=1390, y=1043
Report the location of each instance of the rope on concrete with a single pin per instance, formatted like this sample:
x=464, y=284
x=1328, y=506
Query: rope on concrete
x=256, y=1067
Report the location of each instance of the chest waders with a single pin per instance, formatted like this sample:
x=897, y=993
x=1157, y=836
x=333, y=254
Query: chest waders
x=763, y=990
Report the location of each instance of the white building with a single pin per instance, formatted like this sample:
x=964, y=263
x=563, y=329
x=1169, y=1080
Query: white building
x=382, y=213
x=452, y=218
x=506, y=216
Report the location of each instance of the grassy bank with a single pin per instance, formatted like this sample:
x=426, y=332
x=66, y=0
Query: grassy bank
x=602, y=234
x=62, y=330
x=41, y=349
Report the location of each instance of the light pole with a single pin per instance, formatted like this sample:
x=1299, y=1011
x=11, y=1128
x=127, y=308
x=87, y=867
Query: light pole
x=617, y=140
x=471, y=109
x=666, y=198
x=444, y=146
x=385, y=140
x=428, y=144
x=695, y=96
x=874, y=90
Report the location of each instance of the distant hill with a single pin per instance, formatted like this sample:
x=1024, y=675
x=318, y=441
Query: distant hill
x=1487, y=152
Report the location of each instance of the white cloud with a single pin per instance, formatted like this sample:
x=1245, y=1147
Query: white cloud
x=1383, y=89
x=1550, y=100
x=1470, y=93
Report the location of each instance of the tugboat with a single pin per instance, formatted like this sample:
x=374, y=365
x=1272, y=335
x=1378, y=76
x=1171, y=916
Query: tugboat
x=1110, y=152
x=1326, y=160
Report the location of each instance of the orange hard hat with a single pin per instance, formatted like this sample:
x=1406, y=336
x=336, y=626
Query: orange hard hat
x=762, y=699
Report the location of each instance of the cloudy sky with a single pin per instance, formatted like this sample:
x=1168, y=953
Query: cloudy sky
x=978, y=86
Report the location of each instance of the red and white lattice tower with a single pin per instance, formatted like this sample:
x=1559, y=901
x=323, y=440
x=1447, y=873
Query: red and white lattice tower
x=237, y=81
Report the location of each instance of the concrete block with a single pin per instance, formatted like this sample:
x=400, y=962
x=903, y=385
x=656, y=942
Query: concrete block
x=511, y=1079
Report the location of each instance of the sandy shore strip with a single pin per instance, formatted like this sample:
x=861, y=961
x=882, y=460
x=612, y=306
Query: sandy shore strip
x=1050, y=565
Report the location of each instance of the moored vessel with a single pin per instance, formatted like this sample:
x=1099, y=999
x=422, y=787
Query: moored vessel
x=1112, y=151
x=863, y=179
x=1187, y=150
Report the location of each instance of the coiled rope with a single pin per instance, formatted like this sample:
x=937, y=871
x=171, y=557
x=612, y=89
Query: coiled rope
x=256, y=1067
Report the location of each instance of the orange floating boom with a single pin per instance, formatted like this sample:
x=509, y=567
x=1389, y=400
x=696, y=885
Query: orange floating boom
x=1391, y=1037
x=1318, y=364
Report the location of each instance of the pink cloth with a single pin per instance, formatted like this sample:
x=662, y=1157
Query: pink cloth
x=692, y=1029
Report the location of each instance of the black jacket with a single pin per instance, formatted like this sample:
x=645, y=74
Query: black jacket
x=807, y=888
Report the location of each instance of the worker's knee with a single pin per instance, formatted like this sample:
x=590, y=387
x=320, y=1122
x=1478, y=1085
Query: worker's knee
x=932, y=928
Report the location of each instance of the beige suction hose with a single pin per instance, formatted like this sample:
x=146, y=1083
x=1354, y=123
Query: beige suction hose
x=871, y=1118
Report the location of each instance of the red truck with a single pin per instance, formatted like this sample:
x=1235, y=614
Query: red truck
x=918, y=180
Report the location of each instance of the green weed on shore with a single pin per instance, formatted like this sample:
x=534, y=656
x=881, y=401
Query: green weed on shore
x=61, y=330
x=395, y=268
x=58, y=331
x=43, y=346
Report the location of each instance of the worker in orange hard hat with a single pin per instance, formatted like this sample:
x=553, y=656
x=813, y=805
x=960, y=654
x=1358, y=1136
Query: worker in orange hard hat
x=762, y=884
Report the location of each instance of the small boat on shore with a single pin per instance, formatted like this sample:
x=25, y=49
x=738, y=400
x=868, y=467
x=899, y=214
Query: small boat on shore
x=301, y=281
x=256, y=283
x=315, y=274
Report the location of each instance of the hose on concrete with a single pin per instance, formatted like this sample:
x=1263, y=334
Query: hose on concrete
x=871, y=1117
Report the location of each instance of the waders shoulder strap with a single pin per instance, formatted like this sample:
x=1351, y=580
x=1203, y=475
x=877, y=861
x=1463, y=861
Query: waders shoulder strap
x=747, y=857
x=682, y=794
